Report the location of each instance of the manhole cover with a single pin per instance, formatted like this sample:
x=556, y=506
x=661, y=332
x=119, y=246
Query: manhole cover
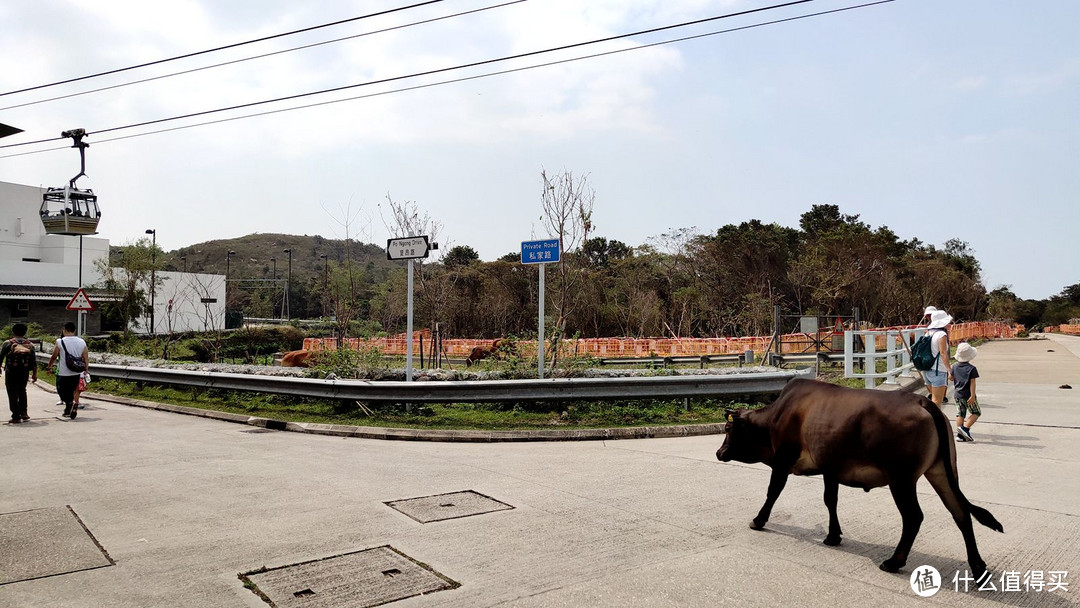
x=371, y=577
x=46, y=542
x=447, y=506
x=256, y=431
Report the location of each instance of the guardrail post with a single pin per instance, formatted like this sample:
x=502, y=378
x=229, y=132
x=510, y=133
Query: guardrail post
x=871, y=359
x=849, y=353
x=905, y=355
x=890, y=358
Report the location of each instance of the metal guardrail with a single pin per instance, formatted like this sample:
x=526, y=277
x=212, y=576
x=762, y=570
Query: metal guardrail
x=701, y=360
x=474, y=391
x=777, y=359
x=897, y=358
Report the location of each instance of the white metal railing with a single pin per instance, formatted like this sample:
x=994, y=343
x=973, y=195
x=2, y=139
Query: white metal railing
x=896, y=356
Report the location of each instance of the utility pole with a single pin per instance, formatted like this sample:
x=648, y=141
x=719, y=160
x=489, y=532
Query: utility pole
x=153, y=276
x=288, y=285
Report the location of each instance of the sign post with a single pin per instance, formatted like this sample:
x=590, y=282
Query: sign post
x=409, y=248
x=540, y=252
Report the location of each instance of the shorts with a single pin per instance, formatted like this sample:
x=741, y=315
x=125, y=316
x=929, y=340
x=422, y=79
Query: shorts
x=965, y=406
x=935, y=378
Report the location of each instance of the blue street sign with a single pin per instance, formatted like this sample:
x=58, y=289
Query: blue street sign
x=540, y=252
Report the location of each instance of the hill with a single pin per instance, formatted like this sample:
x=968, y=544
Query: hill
x=255, y=253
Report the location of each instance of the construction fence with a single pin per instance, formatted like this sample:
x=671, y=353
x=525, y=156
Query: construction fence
x=646, y=347
x=1072, y=330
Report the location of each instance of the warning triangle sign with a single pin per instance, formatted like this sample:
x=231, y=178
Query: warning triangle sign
x=80, y=301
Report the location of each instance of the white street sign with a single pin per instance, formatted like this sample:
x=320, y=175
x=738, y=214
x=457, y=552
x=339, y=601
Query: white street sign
x=408, y=248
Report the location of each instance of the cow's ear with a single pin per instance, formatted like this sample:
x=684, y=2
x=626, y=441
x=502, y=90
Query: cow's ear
x=729, y=415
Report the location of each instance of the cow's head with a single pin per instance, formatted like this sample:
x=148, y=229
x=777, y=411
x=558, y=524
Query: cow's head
x=744, y=440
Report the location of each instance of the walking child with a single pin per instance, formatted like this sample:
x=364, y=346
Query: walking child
x=967, y=403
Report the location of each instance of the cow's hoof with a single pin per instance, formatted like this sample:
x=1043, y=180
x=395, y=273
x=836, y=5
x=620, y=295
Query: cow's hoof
x=832, y=541
x=754, y=525
x=891, y=565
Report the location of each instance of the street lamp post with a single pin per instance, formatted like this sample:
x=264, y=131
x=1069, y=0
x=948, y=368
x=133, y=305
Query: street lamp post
x=325, y=267
x=228, y=261
x=183, y=259
x=153, y=276
x=288, y=285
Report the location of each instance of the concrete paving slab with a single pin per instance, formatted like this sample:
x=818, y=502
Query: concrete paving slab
x=45, y=542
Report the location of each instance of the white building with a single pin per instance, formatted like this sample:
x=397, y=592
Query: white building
x=39, y=274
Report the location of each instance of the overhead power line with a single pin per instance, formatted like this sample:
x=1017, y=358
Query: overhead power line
x=264, y=55
x=222, y=48
x=468, y=78
x=428, y=72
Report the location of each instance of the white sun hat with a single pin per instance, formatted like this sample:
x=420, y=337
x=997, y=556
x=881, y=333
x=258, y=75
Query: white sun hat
x=939, y=319
x=930, y=310
x=965, y=352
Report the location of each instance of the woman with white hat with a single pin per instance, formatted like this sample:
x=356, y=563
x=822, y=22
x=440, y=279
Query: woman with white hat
x=937, y=377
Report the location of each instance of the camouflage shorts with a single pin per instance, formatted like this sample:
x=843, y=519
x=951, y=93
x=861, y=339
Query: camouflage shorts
x=965, y=406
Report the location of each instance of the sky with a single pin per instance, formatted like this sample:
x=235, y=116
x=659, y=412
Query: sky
x=939, y=120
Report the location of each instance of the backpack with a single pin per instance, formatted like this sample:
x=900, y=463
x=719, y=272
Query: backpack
x=21, y=355
x=922, y=355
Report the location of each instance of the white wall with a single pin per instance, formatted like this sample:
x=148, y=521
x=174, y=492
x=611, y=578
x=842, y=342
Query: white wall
x=188, y=312
x=23, y=237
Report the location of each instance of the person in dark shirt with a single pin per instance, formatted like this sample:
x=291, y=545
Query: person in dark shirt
x=967, y=404
x=19, y=365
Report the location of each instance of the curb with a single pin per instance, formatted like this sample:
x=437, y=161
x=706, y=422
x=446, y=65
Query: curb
x=404, y=434
x=462, y=436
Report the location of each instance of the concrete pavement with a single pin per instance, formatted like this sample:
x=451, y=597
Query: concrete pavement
x=180, y=505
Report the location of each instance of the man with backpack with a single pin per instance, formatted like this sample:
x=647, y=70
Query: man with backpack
x=19, y=365
x=72, y=358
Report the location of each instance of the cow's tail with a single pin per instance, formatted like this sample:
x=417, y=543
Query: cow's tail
x=947, y=454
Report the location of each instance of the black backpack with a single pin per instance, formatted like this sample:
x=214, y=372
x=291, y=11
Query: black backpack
x=75, y=364
x=21, y=356
x=922, y=355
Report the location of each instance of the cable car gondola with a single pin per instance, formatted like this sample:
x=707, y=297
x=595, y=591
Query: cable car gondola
x=69, y=210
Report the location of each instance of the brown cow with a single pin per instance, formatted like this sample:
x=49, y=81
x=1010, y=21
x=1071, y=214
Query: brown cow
x=296, y=358
x=479, y=352
x=863, y=439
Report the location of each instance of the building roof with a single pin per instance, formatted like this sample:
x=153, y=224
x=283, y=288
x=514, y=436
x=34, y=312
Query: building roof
x=38, y=292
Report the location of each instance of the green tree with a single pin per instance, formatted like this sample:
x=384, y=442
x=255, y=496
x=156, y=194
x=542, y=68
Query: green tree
x=127, y=276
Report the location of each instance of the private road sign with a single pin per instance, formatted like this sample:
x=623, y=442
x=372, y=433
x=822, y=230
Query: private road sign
x=80, y=301
x=540, y=252
x=408, y=248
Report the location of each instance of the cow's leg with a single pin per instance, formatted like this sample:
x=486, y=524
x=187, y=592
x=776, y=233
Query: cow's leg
x=961, y=515
x=832, y=489
x=903, y=491
x=776, y=485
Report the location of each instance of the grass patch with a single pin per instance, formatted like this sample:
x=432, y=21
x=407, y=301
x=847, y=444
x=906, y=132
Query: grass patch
x=448, y=416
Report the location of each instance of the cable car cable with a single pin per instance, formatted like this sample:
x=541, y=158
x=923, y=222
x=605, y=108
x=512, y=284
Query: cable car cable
x=222, y=48
x=448, y=69
x=296, y=48
x=456, y=80
x=435, y=71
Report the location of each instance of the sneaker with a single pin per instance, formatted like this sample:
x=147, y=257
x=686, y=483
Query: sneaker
x=15, y=421
x=61, y=402
x=25, y=418
x=960, y=438
x=966, y=434
x=74, y=413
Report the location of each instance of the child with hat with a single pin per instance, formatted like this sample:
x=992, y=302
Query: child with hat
x=967, y=405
